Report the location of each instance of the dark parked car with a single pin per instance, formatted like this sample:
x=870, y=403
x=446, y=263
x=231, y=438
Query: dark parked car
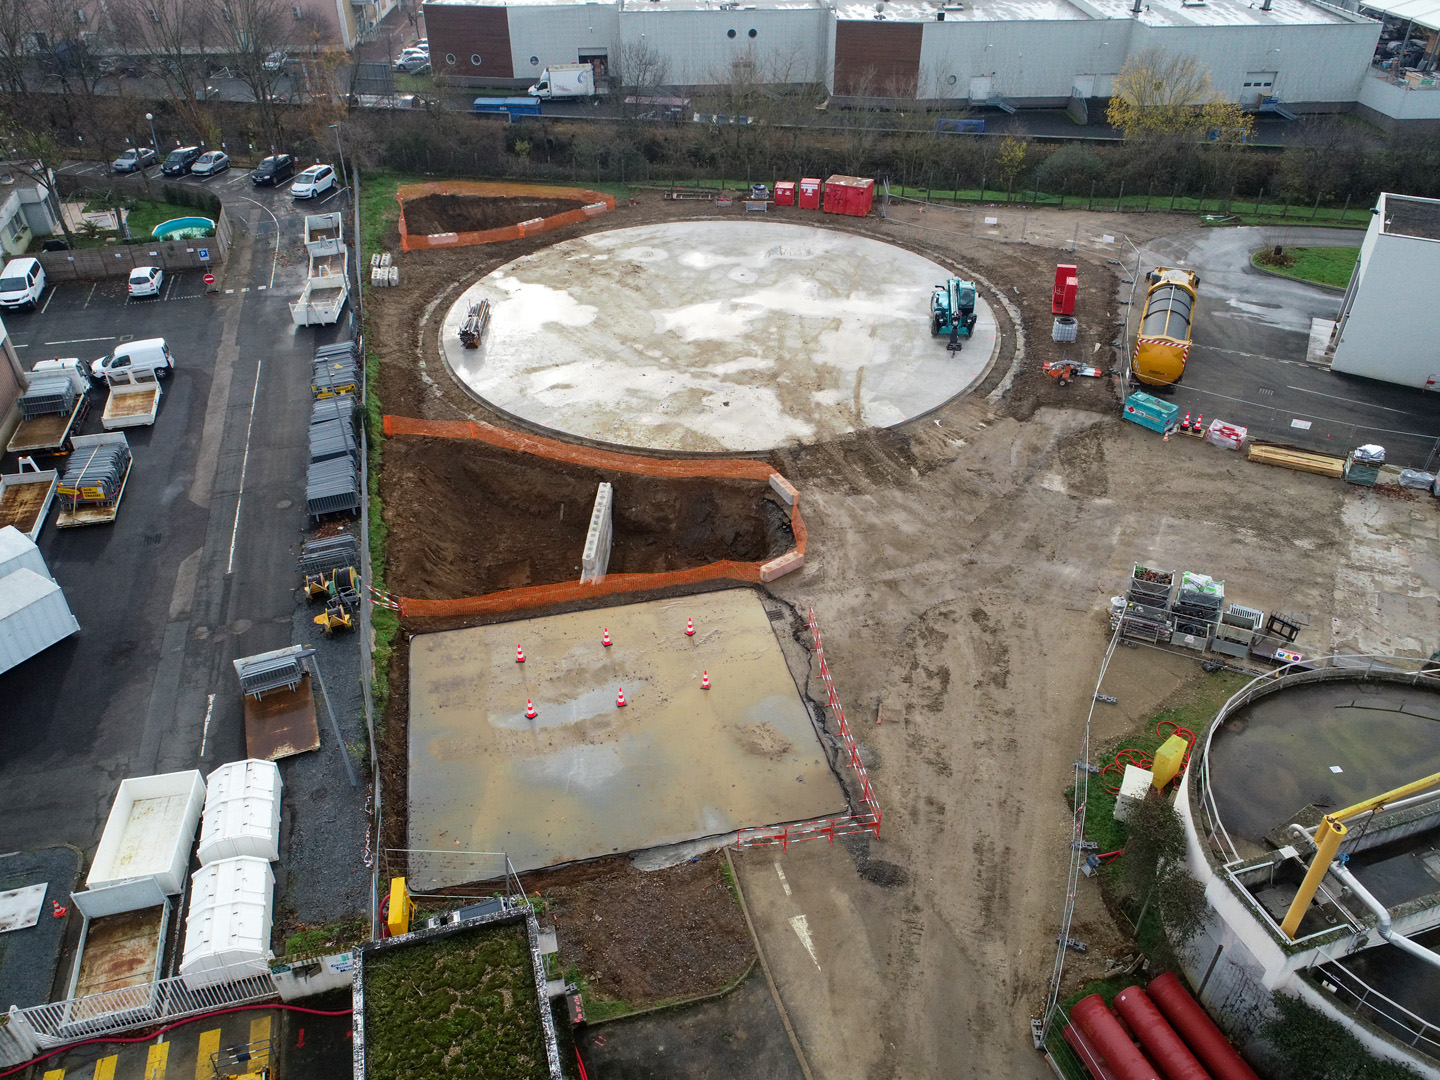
x=274, y=170
x=135, y=158
x=179, y=161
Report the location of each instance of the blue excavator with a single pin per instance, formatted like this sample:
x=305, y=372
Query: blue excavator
x=952, y=311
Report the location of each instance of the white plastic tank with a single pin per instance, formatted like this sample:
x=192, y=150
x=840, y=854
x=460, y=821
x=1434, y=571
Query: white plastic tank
x=18, y=552
x=242, y=812
x=227, y=931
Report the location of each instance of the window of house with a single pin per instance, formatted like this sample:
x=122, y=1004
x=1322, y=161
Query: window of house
x=16, y=227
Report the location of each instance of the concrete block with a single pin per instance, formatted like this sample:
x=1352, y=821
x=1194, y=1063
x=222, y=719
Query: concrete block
x=596, y=558
x=791, y=560
x=786, y=490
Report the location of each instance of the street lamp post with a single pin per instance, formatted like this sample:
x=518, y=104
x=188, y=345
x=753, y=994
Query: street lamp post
x=155, y=142
x=341, y=149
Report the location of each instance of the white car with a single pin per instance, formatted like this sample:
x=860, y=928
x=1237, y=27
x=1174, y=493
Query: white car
x=151, y=355
x=146, y=281
x=316, y=180
x=412, y=58
x=210, y=163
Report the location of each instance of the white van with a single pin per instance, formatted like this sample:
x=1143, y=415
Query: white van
x=22, y=283
x=149, y=356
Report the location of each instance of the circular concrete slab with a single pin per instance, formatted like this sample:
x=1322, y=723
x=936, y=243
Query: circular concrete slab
x=714, y=336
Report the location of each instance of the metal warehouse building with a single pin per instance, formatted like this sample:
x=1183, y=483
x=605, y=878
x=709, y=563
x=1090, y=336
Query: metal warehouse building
x=1293, y=54
x=1388, y=320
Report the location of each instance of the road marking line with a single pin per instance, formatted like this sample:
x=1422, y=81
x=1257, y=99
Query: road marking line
x=259, y=288
x=170, y=287
x=260, y=1033
x=54, y=1074
x=801, y=927
x=45, y=306
x=275, y=254
x=244, y=463
x=105, y=1067
x=783, y=883
x=205, y=735
x=209, y=1044
x=155, y=1061
x=79, y=340
x=228, y=292
x=1350, y=401
x=90, y=295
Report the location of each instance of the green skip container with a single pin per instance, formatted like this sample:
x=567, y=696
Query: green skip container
x=1150, y=412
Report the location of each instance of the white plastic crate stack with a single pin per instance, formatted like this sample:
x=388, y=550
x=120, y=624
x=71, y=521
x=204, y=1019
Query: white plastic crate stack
x=227, y=930
x=33, y=611
x=242, y=812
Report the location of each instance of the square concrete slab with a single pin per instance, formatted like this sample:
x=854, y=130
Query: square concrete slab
x=586, y=778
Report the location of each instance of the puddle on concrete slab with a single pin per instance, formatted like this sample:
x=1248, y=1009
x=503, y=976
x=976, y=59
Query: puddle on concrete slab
x=586, y=778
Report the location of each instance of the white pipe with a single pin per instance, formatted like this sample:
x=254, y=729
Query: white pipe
x=1382, y=915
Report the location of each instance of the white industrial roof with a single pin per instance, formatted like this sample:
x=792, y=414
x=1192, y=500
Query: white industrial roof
x=1424, y=12
x=1222, y=13
x=965, y=11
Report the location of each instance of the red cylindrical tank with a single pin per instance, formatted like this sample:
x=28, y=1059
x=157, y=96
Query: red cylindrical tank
x=1206, y=1041
x=1089, y=1057
x=1103, y=1032
x=1169, y=1052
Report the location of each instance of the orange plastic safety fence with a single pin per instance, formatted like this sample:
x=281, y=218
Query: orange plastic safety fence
x=596, y=202
x=537, y=596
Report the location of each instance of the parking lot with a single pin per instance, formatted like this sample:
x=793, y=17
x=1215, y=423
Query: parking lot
x=199, y=566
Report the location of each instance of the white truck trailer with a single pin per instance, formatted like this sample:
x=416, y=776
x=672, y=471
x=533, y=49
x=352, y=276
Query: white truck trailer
x=566, y=81
x=326, y=289
x=25, y=499
x=134, y=400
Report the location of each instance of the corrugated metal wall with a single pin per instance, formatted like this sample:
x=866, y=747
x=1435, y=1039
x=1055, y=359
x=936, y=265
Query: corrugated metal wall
x=561, y=34
x=703, y=47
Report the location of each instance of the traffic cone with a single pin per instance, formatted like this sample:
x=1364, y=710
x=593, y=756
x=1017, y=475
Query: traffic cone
x=620, y=698
x=56, y=911
x=530, y=712
x=1185, y=424
x=605, y=641
x=689, y=627
x=1200, y=424
x=704, y=680
x=519, y=655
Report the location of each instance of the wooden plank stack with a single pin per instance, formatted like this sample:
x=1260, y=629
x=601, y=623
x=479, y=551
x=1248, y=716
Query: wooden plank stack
x=1300, y=460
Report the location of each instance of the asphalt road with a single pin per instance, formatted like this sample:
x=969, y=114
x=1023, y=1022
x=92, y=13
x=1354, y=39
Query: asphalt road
x=1248, y=365
x=199, y=566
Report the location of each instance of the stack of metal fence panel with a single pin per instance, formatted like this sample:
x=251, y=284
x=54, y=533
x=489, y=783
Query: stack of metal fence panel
x=1146, y=615
x=332, y=483
x=259, y=675
x=94, y=474
x=46, y=395
x=1197, y=610
x=336, y=407
x=330, y=553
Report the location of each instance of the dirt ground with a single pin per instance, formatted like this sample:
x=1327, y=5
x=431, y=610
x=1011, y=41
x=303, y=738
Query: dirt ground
x=522, y=520
x=475, y=213
x=960, y=567
x=645, y=937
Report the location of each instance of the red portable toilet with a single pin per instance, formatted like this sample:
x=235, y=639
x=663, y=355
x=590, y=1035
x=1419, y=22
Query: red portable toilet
x=1067, y=285
x=785, y=193
x=851, y=195
x=810, y=193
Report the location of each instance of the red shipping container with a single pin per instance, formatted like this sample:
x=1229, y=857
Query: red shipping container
x=785, y=193
x=810, y=194
x=851, y=195
x=1067, y=284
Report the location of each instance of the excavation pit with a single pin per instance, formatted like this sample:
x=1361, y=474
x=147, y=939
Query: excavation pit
x=586, y=778
x=716, y=336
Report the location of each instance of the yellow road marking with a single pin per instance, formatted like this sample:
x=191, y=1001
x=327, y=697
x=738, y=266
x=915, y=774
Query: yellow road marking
x=155, y=1061
x=55, y=1074
x=260, y=1033
x=105, y=1067
x=209, y=1044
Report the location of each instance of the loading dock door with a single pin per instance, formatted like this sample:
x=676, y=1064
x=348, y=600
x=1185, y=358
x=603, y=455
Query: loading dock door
x=980, y=87
x=1258, y=86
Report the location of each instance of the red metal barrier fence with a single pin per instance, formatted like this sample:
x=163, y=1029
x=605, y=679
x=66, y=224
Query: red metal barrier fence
x=831, y=827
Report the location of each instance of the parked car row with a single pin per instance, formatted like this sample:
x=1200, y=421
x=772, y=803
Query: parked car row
x=415, y=59
x=273, y=171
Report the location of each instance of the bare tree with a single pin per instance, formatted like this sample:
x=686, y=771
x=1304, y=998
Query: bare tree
x=177, y=34
x=17, y=38
x=643, y=71
x=259, y=36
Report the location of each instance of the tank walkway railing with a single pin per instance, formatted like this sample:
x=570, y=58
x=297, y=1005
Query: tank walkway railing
x=1363, y=999
x=1408, y=670
x=57, y=1023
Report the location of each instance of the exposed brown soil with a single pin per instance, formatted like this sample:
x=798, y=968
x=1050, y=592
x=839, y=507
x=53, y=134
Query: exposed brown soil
x=475, y=213
x=466, y=518
x=648, y=936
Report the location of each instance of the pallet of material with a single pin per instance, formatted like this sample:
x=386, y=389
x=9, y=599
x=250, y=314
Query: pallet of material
x=1300, y=460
